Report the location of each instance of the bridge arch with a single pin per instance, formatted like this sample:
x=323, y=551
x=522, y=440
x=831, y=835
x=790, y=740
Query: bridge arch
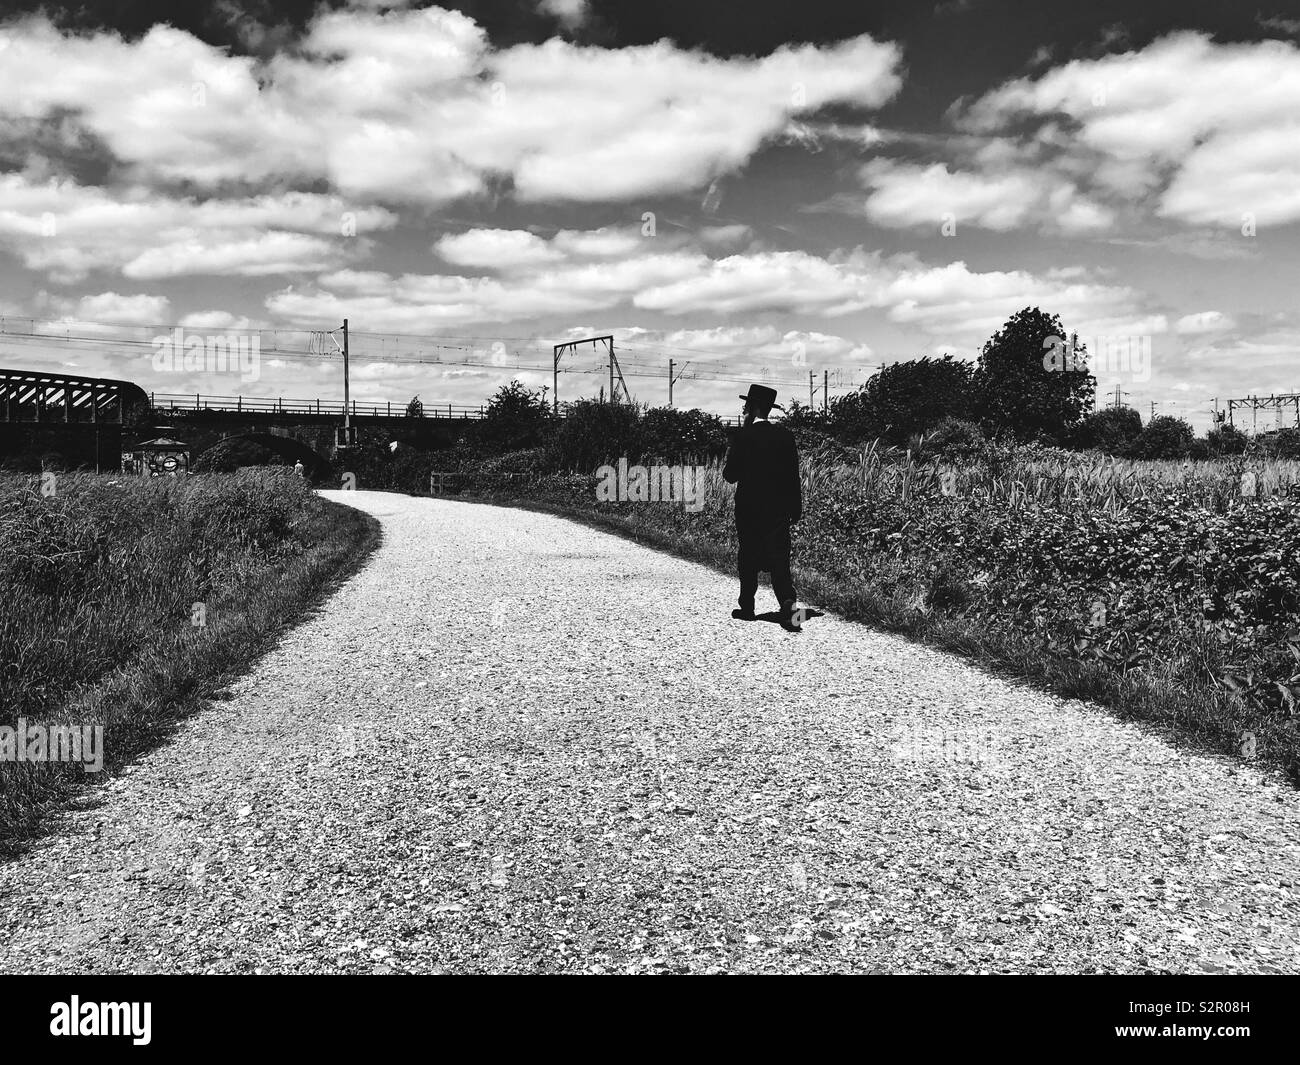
x=260, y=449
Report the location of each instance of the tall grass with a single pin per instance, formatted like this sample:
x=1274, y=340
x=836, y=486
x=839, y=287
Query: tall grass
x=1005, y=554
x=1085, y=480
x=125, y=599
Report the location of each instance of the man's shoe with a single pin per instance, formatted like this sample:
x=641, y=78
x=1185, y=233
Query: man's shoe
x=743, y=615
x=791, y=618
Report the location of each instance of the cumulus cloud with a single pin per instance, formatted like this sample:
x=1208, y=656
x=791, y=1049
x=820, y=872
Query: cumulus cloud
x=111, y=308
x=1204, y=322
x=217, y=320
x=1185, y=129
x=418, y=106
x=571, y=13
x=496, y=248
x=905, y=194
x=724, y=343
x=67, y=230
x=954, y=302
x=1206, y=130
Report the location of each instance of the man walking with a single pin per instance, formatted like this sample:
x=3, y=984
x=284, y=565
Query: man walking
x=763, y=463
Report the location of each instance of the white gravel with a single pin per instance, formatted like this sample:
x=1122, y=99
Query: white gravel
x=514, y=743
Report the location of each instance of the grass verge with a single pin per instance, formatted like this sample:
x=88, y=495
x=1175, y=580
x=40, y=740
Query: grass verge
x=108, y=573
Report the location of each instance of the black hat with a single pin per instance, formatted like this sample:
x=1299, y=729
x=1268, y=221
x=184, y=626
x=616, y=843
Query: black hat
x=761, y=396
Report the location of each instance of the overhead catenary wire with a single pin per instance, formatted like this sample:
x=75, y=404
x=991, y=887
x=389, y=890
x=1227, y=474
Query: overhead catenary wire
x=486, y=352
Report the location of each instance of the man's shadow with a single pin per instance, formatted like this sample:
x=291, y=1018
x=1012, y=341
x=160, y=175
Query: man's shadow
x=801, y=615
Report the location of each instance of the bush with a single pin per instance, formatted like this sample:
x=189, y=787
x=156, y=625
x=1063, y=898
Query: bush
x=516, y=417
x=1165, y=437
x=954, y=438
x=903, y=400
x=260, y=449
x=593, y=433
x=1226, y=440
x=678, y=436
x=1112, y=430
x=1284, y=443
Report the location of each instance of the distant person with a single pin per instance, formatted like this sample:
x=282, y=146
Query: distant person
x=299, y=469
x=763, y=463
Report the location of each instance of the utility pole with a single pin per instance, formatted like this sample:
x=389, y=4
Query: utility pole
x=826, y=376
x=1119, y=402
x=1153, y=409
x=672, y=378
x=613, y=368
x=347, y=417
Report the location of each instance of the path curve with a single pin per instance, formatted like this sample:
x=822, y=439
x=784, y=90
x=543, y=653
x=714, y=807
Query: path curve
x=512, y=743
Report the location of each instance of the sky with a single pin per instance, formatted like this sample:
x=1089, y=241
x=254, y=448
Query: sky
x=773, y=192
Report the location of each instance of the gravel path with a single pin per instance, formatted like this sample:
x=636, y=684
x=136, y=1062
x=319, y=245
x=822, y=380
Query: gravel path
x=512, y=743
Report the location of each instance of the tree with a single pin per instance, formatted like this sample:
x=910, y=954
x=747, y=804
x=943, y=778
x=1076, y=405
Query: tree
x=1112, y=430
x=1226, y=440
x=677, y=435
x=1282, y=444
x=1165, y=437
x=903, y=400
x=1031, y=381
x=593, y=433
x=415, y=409
x=516, y=417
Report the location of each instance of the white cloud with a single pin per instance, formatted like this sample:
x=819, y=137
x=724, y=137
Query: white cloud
x=572, y=13
x=1204, y=322
x=721, y=343
x=251, y=256
x=112, y=308
x=218, y=320
x=791, y=281
x=418, y=106
x=953, y=302
x=1207, y=129
x=496, y=249
x=67, y=230
x=606, y=243
x=725, y=236
x=904, y=194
